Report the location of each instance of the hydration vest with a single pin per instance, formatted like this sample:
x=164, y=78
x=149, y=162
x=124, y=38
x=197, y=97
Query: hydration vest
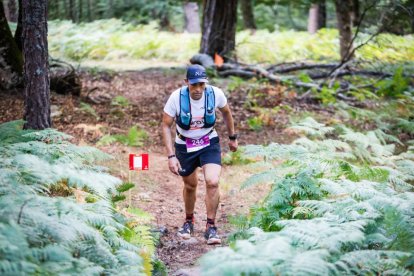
x=184, y=117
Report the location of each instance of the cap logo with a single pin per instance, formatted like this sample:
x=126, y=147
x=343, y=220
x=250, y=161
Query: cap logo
x=196, y=73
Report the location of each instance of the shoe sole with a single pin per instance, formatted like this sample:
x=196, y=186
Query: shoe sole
x=213, y=241
x=185, y=236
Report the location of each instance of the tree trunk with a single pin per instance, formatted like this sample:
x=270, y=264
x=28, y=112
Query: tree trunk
x=317, y=17
x=313, y=25
x=109, y=9
x=219, y=27
x=11, y=62
x=57, y=6
x=355, y=12
x=36, y=67
x=89, y=10
x=19, y=29
x=192, y=20
x=72, y=12
x=165, y=23
x=322, y=15
x=11, y=11
x=248, y=15
x=80, y=11
x=343, y=14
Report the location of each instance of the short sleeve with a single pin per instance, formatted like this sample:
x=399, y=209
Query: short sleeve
x=221, y=99
x=170, y=107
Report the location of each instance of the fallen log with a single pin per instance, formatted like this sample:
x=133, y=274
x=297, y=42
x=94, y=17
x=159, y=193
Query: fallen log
x=291, y=67
x=64, y=78
x=343, y=73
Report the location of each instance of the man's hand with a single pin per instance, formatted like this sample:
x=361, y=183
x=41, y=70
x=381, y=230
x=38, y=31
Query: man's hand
x=233, y=145
x=174, y=165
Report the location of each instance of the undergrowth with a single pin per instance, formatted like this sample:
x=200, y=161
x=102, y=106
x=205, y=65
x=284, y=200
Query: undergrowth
x=116, y=40
x=57, y=210
x=341, y=203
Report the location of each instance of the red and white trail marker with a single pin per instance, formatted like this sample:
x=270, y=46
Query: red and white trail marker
x=138, y=162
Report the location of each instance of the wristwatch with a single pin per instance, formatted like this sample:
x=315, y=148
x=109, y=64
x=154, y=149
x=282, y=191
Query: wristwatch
x=233, y=137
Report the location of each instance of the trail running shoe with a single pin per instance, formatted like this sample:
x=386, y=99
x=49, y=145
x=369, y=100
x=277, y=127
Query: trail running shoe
x=211, y=235
x=187, y=230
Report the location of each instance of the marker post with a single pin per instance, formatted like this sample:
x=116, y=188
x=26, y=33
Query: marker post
x=136, y=162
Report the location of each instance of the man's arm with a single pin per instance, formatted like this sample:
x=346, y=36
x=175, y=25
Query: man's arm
x=228, y=120
x=166, y=124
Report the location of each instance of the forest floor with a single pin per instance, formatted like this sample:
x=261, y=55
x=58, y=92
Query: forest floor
x=158, y=191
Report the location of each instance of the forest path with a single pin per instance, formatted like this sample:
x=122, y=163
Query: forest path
x=158, y=191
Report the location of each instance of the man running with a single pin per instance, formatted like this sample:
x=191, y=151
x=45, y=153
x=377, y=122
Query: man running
x=197, y=144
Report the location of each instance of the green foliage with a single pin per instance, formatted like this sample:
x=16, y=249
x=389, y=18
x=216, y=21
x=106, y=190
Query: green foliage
x=327, y=95
x=87, y=108
x=113, y=40
x=135, y=138
x=45, y=235
x=235, y=158
x=255, y=123
x=337, y=206
x=394, y=87
x=120, y=189
x=405, y=125
x=312, y=128
x=235, y=83
x=125, y=187
x=120, y=101
x=139, y=233
x=303, y=77
x=159, y=268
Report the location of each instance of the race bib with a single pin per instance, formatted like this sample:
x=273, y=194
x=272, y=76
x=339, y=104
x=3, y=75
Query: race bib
x=197, y=144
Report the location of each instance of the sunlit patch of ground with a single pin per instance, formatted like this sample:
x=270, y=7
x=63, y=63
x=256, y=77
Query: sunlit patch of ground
x=128, y=65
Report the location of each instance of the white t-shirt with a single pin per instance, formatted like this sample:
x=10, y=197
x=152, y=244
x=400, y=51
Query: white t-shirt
x=172, y=108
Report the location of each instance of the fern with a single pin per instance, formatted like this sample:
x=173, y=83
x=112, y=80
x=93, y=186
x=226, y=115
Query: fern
x=88, y=109
x=337, y=206
x=312, y=128
x=134, y=138
x=120, y=101
x=405, y=125
x=56, y=235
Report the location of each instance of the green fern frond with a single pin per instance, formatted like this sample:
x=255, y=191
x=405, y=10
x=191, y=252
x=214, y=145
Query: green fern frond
x=312, y=128
x=260, y=178
x=56, y=235
x=375, y=262
x=106, y=140
x=405, y=125
x=384, y=137
x=12, y=132
x=349, y=196
x=48, y=136
x=125, y=187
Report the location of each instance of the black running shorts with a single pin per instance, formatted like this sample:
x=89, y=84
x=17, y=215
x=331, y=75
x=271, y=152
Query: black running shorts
x=189, y=161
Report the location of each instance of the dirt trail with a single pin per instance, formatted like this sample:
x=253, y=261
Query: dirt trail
x=157, y=191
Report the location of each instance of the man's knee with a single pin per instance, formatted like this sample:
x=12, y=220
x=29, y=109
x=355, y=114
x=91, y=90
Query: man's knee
x=212, y=182
x=190, y=186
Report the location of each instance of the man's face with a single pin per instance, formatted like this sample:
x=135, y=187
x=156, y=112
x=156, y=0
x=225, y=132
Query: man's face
x=196, y=90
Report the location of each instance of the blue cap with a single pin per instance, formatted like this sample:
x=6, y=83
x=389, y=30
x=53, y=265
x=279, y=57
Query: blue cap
x=196, y=73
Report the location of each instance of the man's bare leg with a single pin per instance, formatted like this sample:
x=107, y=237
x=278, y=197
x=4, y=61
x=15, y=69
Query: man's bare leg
x=189, y=192
x=212, y=176
x=189, y=195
